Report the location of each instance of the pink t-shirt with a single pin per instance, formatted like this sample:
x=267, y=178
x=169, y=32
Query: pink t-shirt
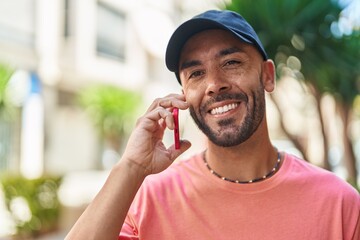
x=300, y=202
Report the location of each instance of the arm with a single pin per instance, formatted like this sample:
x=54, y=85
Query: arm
x=145, y=154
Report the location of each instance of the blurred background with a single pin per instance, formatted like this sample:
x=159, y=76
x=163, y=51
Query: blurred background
x=75, y=75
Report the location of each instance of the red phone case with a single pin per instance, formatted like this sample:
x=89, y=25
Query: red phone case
x=175, y=113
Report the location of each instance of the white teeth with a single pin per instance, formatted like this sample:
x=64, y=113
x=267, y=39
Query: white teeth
x=224, y=109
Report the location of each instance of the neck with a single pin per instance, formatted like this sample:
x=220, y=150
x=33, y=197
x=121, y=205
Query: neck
x=253, y=180
x=247, y=161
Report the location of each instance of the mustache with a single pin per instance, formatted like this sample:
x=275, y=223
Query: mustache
x=225, y=96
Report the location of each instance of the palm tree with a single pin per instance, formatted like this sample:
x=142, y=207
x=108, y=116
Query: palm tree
x=111, y=109
x=329, y=63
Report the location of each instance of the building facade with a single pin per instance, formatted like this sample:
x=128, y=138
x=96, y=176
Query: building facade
x=59, y=47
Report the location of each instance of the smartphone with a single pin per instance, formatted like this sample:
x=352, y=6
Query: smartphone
x=175, y=113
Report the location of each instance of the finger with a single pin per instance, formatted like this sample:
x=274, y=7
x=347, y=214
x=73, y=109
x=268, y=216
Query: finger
x=162, y=116
x=170, y=101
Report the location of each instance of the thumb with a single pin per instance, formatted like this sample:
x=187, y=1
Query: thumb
x=184, y=145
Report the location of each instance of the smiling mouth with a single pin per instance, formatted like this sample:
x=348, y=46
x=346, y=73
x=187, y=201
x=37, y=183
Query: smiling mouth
x=223, y=109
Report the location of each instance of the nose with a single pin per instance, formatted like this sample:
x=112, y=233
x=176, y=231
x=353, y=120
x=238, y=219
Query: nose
x=216, y=84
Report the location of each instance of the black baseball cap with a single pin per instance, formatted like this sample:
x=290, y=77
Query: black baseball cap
x=212, y=19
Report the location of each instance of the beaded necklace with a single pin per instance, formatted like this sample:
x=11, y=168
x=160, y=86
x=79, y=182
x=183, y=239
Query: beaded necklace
x=269, y=174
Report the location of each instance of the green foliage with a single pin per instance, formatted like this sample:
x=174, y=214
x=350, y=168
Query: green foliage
x=305, y=40
x=109, y=107
x=33, y=204
x=302, y=28
x=357, y=106
x=5, y=104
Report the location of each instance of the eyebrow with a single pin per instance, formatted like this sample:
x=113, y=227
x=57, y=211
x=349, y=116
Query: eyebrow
x=188, y=64
x=222, y=53
x=228, y=51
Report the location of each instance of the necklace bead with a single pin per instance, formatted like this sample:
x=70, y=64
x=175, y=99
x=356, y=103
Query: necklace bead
x=269, y=174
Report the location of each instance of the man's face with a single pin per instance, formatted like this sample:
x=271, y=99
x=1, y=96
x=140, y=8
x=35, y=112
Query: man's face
x=222, y=81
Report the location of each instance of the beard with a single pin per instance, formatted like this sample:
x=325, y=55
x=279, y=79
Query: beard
x=229, y=133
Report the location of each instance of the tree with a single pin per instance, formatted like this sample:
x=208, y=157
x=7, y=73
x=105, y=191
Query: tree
x=304, y=30
x=7, y=114
x=6, y=105
x=111, y=109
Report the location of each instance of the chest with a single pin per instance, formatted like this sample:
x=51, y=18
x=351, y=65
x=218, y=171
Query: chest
x=202, y=214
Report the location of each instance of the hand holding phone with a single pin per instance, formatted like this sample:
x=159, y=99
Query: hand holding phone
x=175, y=113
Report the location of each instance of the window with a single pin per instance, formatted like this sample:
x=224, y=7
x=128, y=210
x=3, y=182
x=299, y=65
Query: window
x=67, y=18
x=17, y=22
x=110, y=39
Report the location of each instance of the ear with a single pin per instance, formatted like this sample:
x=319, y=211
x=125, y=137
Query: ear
x=268, y=77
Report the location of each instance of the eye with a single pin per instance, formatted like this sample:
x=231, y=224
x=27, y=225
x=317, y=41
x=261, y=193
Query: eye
x=231, y=62
x=196, y=74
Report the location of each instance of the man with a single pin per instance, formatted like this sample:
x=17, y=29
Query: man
x=241, y=187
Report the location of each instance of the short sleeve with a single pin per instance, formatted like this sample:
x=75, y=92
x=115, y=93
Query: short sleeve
x=128, y=230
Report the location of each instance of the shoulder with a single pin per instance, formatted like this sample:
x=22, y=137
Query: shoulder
x=303, y=169
x=180, y=173
x=320, y=180
x=168, y=187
